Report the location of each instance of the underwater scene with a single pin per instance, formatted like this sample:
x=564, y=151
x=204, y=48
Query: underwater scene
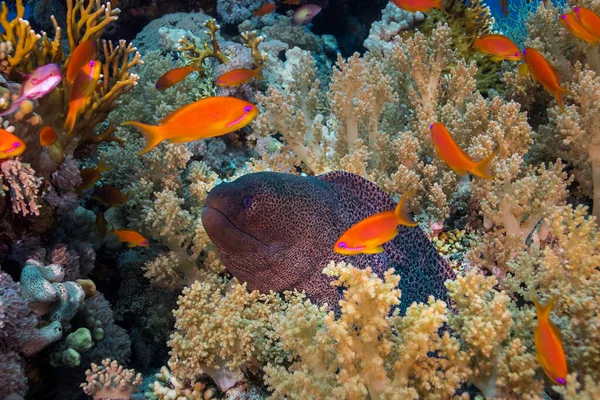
x=299, y=199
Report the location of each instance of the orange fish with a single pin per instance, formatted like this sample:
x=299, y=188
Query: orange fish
x=111, y=196
x=264, y=10
x=89, y=176
x=500, y=47
x=132, y=238
x=83, y=54
x=420, y=5
x=367, y=236
x=588, y=19
x=542, y=72
x=48, y=136
x=459, y=161
x=209, y=117
x=238, y=77
x=174, y=76
x=10, y=145
x=548, y=344
x=81, y=90
x=571, y=23
x=101, y=224
x=504, y=5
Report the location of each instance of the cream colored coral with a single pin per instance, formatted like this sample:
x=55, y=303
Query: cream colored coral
x=110, y=380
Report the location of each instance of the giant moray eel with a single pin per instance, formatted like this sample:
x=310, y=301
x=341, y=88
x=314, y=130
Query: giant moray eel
x=276, y=232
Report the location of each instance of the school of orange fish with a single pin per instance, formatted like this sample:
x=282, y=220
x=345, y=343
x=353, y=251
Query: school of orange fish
x=215, y=116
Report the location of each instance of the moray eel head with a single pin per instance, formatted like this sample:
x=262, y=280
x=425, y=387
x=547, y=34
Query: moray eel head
x=263, y=225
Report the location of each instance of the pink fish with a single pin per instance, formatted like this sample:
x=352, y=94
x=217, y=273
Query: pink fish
x=304, y=15
x=36, y=85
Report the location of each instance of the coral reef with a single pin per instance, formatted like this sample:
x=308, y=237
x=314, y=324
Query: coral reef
x=110, y=380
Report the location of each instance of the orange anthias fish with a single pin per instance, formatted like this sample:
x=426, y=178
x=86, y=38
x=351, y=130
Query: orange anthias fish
x=420, y=5
x=304, y=15
x=81, y=90
x=111, y=196
x=209, y=117
x=504, y=5
x=548, y=344
x=101, y=224
x=132, y=238
x=499, y=46
x=588, y=19
x=367, y=236
x=264, y=10
x=542, y=72
x=174, y=76
x=89, y=176
x=238, y=77
x=83, y=54
x=10, y=145
x=458, y=160
x=571, y=23
x=48, y=136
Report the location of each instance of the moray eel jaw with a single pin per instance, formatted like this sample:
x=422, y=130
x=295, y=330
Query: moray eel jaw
x=236, y=247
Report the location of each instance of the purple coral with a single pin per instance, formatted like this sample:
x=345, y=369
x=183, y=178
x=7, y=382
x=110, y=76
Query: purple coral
x=17, y=325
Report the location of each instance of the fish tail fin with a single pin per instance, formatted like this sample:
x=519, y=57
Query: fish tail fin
x=543, y=310
x=152, y=134
x=475, y=39
x=402, y=213
x=112, y=230
x=13, y=107
x=559, y=97
x=71, y=119
x=102, y=165
x=483, y=168
x=440, y=7
x=257, y=73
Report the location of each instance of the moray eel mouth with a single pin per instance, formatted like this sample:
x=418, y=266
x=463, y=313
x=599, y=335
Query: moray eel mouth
x=232, y=242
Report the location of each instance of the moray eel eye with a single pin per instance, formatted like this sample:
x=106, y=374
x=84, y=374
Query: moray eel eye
x=247, y=202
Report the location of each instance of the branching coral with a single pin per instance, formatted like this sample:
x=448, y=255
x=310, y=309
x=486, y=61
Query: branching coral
x=110, y=380
x=391, y=145
x=196, y=55
x=23, y=186
x=218, y=333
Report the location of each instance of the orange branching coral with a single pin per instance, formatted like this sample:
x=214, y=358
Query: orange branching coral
x=19, y=33
x=88, y=22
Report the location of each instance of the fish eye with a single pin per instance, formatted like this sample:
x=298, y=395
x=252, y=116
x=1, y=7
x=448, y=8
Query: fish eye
x=145, y=242
x=247, y=202
x=342, y=245
x=517, y=54
x=563, y=16
x=92, y=63
x=560, y=380
x=576, y=9
x=219, y=80
x=431, y=126
x=524, y=51
x=247, y=109
x=16, y=144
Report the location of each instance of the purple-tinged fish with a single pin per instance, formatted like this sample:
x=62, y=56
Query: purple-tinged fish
x=36, y=85
x=304, y=15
